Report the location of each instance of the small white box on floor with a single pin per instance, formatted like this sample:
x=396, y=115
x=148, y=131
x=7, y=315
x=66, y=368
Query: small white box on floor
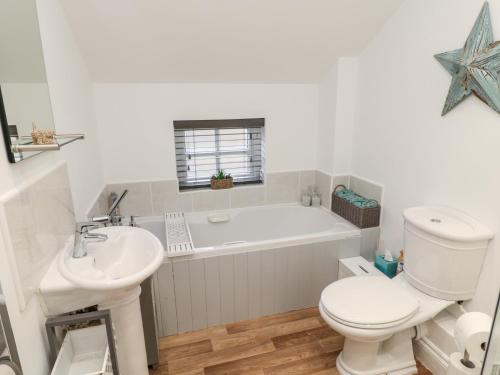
x=356, y=266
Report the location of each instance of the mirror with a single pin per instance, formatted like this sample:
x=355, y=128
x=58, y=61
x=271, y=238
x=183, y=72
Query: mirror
x=24, y=92
x=9, y=359
x=492, y=361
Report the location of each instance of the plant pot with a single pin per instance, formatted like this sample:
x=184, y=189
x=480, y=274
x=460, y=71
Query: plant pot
x=225, y=183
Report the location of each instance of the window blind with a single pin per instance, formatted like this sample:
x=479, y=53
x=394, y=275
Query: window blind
x=203, y=147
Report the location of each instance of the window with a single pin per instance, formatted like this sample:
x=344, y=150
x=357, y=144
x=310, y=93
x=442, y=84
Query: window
x=204, y=147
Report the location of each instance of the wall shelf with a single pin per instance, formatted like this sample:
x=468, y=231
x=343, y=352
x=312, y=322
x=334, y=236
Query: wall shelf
x=61, y=140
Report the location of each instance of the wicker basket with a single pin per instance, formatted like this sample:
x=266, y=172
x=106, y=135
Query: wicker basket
x=221, y=184
x=361, y=217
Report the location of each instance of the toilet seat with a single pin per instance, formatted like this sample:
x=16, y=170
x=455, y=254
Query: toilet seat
x=368, y=302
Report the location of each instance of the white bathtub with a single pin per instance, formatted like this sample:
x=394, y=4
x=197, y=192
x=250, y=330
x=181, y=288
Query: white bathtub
x=264, y=260
x=259, y=228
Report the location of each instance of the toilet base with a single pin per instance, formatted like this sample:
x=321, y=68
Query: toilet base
x=405, y=371
x=393, y=356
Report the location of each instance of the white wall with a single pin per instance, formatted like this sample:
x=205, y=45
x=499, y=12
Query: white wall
x=136, y=131
x=328, y=88
x=72, y=103
x=345, y=115
x=402, y=141
x=73, y=112
x=337, y=114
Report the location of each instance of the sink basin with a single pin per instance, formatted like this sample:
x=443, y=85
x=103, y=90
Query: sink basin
x=126, y=259
x=109, y=276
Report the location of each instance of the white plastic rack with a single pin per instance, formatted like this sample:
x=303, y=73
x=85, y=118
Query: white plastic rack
x=179, y=241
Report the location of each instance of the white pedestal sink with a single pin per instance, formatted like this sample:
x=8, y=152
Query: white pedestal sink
x=108, y=276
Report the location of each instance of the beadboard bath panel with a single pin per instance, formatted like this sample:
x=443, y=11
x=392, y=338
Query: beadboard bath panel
x=192, y=294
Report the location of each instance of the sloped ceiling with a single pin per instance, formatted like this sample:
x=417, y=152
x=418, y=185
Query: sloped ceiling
x=254, y=41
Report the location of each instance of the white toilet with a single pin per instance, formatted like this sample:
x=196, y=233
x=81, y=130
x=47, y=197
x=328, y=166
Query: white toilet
x=444, y=252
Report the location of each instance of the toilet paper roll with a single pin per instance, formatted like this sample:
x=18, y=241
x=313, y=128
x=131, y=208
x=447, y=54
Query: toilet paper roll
x=6, y=370
x=472, y=332
x=455, y=366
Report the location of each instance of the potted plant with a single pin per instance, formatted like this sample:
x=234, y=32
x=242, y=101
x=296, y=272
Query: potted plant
x=221, y=180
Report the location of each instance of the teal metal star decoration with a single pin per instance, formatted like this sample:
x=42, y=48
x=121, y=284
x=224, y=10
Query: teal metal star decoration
x=476, y=67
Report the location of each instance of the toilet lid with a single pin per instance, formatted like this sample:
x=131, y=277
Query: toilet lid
x=368, y=302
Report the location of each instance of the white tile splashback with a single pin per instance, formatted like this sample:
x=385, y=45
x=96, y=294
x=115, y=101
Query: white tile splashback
x=283, y=187
x=323, y=182
x=36, y=220
x=157, y=197
x=366, y=188
x=211, y=200
x=166, y=198
x=138, y=200
x=248, y=196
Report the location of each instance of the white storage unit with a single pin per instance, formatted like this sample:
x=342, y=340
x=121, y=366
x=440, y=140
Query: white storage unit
x=84, y=352
x=357, y=266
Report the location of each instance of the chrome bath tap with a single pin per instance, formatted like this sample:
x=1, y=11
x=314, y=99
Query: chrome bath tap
x=110, y=218
x=83, y=237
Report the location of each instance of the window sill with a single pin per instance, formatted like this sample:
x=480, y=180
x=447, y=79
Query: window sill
x=207, y=188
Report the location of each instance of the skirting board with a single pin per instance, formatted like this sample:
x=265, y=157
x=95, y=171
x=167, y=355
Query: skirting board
x=429, y=357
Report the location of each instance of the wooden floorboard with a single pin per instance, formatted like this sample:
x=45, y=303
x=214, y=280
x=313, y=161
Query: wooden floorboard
x=271, y=320
x=293, y=343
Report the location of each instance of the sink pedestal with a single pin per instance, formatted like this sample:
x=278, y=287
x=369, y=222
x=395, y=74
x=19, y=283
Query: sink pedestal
x=128, y=332
x=109, y=276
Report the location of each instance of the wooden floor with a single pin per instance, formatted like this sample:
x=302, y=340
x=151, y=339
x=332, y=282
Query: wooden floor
x=293, y=343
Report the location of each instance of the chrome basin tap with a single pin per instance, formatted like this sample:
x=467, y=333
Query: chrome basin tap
x=83, y=237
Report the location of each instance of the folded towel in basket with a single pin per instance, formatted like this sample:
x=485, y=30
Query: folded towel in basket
x=355, y=199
